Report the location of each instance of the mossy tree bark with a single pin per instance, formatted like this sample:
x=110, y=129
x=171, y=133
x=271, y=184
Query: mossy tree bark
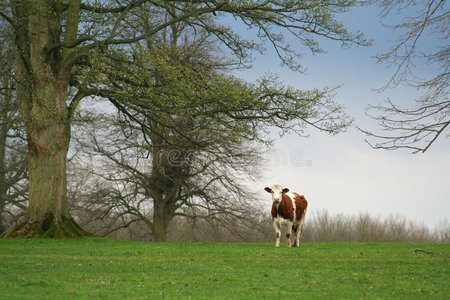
x=48, y=133
x=42, y=78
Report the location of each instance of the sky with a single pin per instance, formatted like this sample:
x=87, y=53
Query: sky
x=342, y=173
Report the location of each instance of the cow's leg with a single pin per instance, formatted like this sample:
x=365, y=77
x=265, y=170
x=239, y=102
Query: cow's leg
x=278, y=234
x=300, y=228
x=288, y=234
x=295, y=234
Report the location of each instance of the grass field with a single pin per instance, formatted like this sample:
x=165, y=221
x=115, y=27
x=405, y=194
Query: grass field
x=97, y=268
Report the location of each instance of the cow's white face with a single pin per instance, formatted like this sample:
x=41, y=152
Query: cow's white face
x=277, y=192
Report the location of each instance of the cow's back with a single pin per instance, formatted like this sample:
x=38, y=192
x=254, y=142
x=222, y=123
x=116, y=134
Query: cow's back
x=300, y=205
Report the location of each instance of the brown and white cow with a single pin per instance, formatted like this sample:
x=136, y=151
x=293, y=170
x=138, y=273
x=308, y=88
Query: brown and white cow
x=288, y=209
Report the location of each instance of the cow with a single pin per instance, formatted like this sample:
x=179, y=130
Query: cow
x=288, y=209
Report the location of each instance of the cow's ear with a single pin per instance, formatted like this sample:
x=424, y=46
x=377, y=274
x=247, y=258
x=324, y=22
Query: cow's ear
x=285, y=190
x=267, y=189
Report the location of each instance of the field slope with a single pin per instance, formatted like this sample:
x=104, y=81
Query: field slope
x=97, y=268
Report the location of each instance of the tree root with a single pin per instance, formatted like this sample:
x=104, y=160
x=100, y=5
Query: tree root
x=46, y=227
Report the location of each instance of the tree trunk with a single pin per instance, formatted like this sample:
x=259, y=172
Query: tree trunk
x=161, y=222
x=42, y=84
x=48, y=134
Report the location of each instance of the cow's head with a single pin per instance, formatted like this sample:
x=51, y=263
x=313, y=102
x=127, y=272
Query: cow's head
x=277, y=192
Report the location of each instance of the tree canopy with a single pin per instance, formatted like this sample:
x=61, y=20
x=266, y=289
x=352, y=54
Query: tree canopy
x=201, y=131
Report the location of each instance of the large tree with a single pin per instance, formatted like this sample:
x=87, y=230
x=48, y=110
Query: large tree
x=201, y=129
x=422, y=39
x=201, y=134
x=57, y=42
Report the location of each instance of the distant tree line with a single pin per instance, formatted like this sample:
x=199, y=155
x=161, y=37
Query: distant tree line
x=320, y=226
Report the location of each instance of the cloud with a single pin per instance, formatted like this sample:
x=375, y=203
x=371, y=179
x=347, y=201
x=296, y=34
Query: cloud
x=344, y=175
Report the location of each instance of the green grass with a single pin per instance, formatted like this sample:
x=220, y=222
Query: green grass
x=96, y=268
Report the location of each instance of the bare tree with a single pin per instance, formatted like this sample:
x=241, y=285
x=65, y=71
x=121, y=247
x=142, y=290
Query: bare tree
x=195, y=133
x=416, y=127
x=194, y=163
x=153, y=183
x=13, y=163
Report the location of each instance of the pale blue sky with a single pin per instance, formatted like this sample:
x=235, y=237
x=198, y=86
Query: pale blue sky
x=342, y=173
